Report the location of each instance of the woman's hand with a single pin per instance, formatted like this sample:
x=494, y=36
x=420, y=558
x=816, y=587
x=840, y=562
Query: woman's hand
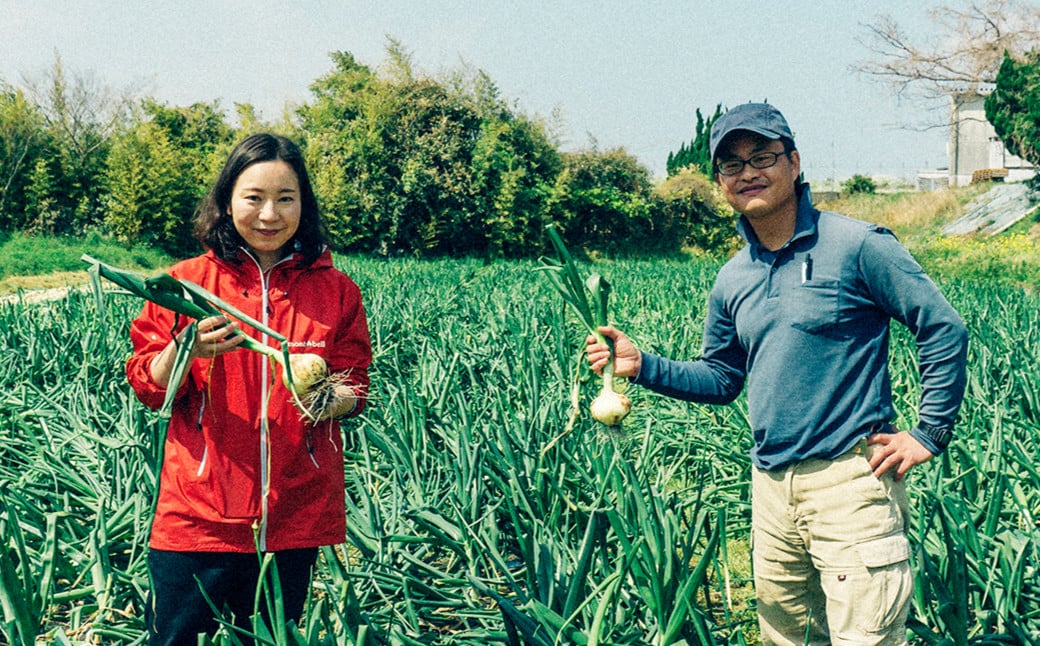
x=627, y=357
x=216, y=335
x=343, y=403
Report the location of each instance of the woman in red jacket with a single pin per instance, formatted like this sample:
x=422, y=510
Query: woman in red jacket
x=244, y=473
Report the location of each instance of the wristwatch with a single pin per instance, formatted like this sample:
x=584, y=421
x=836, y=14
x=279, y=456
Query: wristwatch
x=940, y=435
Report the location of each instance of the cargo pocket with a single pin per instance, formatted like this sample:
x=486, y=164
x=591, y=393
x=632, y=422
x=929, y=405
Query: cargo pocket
x=883, y=552
x=890, y=583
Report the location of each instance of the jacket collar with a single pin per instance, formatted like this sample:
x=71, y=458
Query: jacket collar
x=290, y=262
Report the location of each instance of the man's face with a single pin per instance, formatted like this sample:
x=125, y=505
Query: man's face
x=757, y=192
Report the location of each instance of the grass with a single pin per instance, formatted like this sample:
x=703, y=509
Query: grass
x=29, y=262
x=1012, y=257
x=914, y=216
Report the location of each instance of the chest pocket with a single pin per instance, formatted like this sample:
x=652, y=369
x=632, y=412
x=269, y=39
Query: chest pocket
x=813, y=306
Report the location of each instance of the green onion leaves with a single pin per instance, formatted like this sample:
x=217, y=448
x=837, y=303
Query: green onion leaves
x=588, y=299
x=194, y=301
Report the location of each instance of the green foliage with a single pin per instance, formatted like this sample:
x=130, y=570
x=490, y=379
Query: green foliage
x=344, y=153
x=30, y=255
x=698, y=152
x=402, y=164
x=859, y=184
x=696, y=212
x=77, y=121
x=605, y=201
x=150, y=196
x=514, y=162
x=21, y=144
x=40, y=196
x=157, y=170
x=200, y=134
x=409, y=165
x=1014, y=106
x=431, y=134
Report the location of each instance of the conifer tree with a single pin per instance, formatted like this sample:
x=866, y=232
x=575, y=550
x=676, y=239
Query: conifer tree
x=1014, y=106
x=697, y=152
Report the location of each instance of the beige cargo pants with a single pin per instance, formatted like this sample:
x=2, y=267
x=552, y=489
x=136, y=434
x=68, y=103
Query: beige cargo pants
x=830, y=553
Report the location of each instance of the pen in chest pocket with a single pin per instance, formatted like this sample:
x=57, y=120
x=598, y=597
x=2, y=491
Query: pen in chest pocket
x=807, y=268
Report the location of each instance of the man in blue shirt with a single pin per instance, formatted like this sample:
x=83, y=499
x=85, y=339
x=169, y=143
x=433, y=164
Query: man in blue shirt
x=801, y=314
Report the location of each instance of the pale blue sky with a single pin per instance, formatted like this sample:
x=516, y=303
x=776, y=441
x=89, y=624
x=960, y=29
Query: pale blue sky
x=621, y=73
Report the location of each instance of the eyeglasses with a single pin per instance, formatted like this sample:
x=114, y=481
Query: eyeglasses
x=758, y=160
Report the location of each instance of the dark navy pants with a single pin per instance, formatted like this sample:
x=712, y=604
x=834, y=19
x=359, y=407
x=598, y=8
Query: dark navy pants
x=177, y=612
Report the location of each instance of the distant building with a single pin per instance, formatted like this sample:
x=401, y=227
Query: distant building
x=933, y=180
x=974, y=149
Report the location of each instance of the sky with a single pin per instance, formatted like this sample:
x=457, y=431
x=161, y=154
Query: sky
x=609, y=74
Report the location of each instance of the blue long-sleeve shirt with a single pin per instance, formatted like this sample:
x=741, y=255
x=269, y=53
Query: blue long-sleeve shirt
x=807, y=327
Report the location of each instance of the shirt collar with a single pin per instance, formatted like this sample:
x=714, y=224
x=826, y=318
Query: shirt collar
x=804, y=226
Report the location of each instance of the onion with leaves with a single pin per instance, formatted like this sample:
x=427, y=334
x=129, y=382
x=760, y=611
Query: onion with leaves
x=305, y=375
x=588, y=299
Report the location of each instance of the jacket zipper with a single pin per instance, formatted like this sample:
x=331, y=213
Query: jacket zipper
x=265, y=367
x=205, y=450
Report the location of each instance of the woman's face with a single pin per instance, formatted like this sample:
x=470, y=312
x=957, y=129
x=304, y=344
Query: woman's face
x=265, y=207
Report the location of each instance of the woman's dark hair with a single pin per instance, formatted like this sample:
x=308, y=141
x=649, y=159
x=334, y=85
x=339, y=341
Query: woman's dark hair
x=214, y=226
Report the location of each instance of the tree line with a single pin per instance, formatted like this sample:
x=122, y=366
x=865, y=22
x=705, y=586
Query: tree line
x=403, y=164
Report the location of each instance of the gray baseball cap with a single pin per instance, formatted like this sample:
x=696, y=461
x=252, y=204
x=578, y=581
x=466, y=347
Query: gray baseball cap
x=761, y=118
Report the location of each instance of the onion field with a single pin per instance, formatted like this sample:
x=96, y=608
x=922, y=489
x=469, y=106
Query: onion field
x=476, y=514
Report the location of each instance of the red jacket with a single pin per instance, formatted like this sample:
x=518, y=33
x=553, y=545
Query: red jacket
x=238, y=454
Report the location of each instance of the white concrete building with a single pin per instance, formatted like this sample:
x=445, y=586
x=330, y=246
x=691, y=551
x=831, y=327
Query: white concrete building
x=974, y=149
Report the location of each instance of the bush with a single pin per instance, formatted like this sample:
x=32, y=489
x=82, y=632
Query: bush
x=410, y=165
x=602, y=201
x=151, y=195
x=697, y=214
x=859, y=184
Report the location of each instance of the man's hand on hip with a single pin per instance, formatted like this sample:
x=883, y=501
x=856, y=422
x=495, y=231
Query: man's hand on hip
x=899, y=450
